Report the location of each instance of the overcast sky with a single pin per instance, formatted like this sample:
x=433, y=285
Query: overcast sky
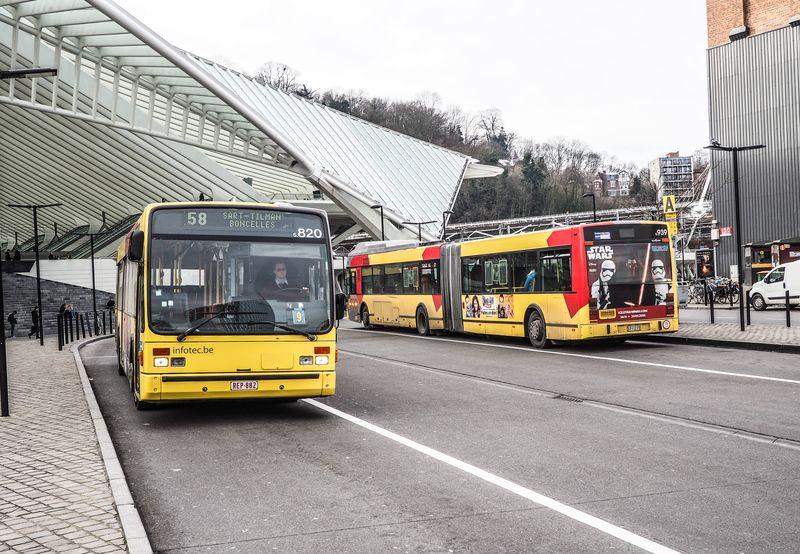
x=627, y=77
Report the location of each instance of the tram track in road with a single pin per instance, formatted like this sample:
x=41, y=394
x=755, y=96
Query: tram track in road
x=624, y=409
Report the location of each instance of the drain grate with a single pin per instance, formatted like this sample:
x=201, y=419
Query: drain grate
x=568, y=398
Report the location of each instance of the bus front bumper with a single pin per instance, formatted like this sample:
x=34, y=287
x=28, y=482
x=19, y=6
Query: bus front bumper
x=630, y=328
x=199, y=386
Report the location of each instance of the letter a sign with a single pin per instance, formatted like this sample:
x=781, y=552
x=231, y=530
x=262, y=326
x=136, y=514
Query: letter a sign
x=669, y=204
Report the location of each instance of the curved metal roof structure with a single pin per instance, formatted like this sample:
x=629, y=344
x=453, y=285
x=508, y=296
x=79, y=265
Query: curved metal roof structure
x=131, y=119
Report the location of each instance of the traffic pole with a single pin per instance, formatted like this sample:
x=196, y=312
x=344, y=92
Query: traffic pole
x=4, y=412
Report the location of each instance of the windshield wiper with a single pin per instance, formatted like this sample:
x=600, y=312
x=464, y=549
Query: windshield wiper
x=294, y=330
x=182, y=336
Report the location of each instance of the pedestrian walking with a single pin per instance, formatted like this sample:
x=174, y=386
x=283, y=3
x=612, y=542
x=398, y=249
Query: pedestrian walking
x=34, y=323
x=12, y=321
x=17, y=256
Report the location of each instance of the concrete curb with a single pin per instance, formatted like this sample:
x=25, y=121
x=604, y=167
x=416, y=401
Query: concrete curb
x=132, y=527
x=719, y=343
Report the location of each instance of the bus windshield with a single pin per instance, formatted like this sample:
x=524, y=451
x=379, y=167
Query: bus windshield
x=256, y=265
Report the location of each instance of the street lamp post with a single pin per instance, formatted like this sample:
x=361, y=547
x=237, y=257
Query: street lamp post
x=444, y=223
x=94, y=288
x=30, y=72
x=36, y=208
x=737, y=230
x=594, y=205
x=375, y=206
x=3, y=370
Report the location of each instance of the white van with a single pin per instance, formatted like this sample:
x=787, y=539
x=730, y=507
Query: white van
x=772, y=289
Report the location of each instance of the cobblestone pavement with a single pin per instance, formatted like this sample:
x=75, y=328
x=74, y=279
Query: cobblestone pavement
x=54, y=491
x=764, y=334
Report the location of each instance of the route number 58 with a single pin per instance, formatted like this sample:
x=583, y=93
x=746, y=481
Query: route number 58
x=194, y=218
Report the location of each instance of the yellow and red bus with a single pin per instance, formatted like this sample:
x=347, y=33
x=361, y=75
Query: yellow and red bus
x=609, y=280
x=227, y=300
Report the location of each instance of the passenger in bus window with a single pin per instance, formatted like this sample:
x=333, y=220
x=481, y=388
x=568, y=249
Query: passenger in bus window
x=425, y=284
x=530, y=281
x=600, y=288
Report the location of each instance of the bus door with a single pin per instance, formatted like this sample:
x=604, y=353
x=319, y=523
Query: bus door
x=388, y=308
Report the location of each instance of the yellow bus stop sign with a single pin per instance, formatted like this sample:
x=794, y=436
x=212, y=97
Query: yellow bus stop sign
x=669, y=205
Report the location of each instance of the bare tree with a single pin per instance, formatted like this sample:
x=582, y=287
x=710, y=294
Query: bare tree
x=278, y=76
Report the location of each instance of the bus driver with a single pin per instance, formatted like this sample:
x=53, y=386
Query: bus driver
x=276, y=285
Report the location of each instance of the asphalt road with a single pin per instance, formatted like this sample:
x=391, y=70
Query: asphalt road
x=465, y=444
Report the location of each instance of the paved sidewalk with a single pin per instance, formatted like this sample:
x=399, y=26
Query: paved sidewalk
x=755, y=337
x=54, y=491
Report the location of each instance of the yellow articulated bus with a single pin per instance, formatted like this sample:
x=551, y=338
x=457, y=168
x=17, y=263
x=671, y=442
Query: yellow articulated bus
x=227, y=300
x=609, y=280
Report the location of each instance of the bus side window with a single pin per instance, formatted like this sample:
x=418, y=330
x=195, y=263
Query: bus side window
x=556, y=271
x=393, y=279
x=411, y=283
x=524, y=271
x=496, y=274
x=429, y=278
x=472, y=275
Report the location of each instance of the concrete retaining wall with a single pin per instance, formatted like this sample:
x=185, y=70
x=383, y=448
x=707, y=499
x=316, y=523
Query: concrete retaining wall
x=20, y=295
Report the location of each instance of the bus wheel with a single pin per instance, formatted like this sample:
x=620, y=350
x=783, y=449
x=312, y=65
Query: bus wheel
x=758, y=302
x=365, y=317
x=422, y=323
x=537, y=332
x=139, y=404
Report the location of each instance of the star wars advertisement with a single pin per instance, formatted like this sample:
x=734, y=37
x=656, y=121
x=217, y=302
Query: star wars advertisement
x=629, y=281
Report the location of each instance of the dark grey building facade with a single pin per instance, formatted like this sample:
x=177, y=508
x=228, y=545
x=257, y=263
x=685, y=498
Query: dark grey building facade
x=754, y=98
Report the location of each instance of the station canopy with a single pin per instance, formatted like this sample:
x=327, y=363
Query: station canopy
x=130, y=119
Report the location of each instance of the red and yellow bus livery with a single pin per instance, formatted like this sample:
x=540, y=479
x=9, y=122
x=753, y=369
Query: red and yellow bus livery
x=607, y=280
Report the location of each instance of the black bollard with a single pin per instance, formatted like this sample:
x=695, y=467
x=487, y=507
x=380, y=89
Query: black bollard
x=60, y=326
x=788, y=311
x=711, y=296
x=747, y=305
x=90, y=324
x=104, y=323
x=81, y=327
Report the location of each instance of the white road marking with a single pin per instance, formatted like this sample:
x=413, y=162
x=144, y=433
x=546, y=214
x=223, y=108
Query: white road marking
x=96, y=357
x=672, y=420
x=589, y=356
x=547, y=502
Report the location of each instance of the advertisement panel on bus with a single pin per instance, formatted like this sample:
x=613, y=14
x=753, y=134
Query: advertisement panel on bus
x=629, y=272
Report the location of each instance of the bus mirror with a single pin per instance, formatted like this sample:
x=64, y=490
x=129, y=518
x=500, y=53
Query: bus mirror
x=136, y=246
x=341, y=305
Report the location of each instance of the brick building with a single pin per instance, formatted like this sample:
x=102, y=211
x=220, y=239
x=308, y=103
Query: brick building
x=739, y=18
x=754, y=98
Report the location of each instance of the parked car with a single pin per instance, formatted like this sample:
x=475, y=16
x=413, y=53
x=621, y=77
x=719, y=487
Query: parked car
x=771, y=290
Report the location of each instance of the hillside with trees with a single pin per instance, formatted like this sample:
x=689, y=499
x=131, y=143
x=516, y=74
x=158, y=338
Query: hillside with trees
x=539, y=178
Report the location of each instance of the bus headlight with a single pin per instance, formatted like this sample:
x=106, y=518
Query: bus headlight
x=321, y=360
x=161, y=362
x=306, y=360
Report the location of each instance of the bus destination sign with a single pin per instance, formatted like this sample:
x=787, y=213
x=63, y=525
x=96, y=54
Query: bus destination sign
x=238, y=221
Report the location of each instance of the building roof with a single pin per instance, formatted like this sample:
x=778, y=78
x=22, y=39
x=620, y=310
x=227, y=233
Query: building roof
x=131, y=119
